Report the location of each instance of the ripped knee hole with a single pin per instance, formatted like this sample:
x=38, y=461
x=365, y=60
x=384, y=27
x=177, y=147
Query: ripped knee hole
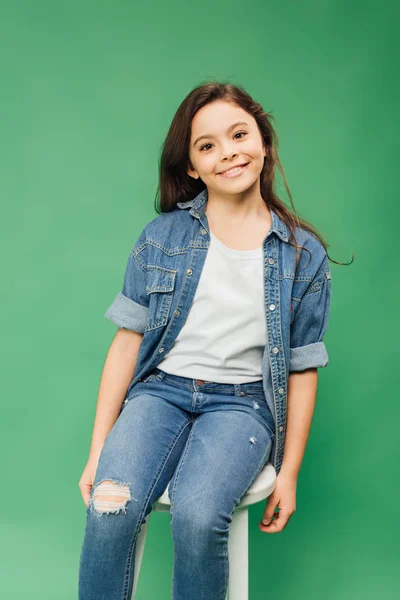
x=111, y=497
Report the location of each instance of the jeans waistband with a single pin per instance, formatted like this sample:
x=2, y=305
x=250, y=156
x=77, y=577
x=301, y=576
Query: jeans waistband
x=234, y=389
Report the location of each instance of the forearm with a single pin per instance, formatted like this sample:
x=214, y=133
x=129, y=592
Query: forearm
x=117, y=374
x=302, y=392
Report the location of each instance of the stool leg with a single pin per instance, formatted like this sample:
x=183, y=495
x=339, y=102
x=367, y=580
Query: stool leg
x=238, y=543
x=139, y=549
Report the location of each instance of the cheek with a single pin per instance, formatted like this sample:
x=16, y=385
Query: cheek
x=257, y=160
x=255, y=151
x=207, y=165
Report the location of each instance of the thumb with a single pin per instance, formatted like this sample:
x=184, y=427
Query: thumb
x=269, y=510
x=86, y=493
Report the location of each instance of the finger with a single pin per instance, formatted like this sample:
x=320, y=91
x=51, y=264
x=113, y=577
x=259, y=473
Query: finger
x=271, y=528
x=271, y=507
x=277, y=524
x=268, y=516
x=86, y=494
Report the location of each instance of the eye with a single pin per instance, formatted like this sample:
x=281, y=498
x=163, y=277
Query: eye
x=201, y=148
x=237, y=133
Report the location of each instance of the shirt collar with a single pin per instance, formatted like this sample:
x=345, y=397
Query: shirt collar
x=198, y=206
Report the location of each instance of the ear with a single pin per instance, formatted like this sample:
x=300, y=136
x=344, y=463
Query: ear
x=193, y=173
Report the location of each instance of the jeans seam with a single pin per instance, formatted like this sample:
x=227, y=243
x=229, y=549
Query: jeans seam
x=180, y=465
x=145, y=505
x=226, y=556
x=172, y=495
x=263, y=462
x=257, y=398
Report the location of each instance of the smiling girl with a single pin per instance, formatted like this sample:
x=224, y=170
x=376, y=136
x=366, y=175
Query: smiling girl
x=213, y=370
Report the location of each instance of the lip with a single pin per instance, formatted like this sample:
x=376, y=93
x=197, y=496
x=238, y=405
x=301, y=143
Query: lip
x=223, y=173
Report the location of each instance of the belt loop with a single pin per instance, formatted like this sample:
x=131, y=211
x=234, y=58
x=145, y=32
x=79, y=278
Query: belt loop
x=161, y=374
x=238, y=389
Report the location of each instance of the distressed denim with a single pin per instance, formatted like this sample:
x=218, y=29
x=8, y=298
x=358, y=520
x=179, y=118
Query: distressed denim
x=160, y=281
x=208, y=442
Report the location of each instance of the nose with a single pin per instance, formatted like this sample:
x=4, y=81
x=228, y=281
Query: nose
x=228, y=155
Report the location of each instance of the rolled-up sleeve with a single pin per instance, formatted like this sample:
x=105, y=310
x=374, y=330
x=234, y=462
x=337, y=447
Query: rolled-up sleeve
x=129, y=309
x=307, y=348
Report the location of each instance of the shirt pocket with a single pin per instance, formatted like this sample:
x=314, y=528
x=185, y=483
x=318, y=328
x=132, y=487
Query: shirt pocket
x=302, y=286
x=160, y=289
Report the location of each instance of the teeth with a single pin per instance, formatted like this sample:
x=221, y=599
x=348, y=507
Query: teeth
x=234, y=170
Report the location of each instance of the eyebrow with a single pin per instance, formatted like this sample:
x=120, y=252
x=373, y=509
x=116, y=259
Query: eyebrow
x=207, y=135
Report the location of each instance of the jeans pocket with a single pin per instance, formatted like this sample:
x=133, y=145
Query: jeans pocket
x=257, y=396
x=151, y=377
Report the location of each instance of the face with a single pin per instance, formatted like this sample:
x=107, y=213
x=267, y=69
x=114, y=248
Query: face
x=229, y=137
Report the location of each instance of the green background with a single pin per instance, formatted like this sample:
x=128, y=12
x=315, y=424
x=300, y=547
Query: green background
x=88, y=93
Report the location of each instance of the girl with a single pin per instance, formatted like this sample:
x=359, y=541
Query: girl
x=217, y=307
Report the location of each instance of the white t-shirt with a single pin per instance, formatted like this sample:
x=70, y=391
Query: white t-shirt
x=224, y=336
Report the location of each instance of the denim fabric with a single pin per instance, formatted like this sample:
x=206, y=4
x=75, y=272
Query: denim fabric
x=161, y=277
x=208, y=442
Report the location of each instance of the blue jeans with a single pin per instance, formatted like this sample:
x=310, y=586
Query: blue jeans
x=209, y=441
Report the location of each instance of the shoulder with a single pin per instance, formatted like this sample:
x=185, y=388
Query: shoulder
x=163, y=222
x=308, y=240
x=167, y=227
x=313, y=255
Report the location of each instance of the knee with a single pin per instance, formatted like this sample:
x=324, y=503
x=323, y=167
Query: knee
x=110, y=496
x=200, y=521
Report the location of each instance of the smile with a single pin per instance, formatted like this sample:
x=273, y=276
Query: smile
x=234, y=172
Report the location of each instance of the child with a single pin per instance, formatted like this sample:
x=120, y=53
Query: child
x=217, y=307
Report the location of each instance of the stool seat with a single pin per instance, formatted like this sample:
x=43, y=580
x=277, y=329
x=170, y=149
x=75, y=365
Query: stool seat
x=260, y=489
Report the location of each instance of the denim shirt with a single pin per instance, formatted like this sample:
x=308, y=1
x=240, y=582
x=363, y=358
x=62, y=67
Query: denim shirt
x=161, y=277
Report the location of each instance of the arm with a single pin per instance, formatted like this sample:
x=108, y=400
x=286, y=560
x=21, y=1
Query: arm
x=129, y=311
x=117, y=374
x=307, y=354
x=302, y=393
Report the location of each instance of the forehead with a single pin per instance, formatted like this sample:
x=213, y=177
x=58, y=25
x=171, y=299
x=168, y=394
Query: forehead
x=216, y=117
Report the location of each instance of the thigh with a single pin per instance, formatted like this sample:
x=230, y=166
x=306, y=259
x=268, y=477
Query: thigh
x=144, y=445
x=224, y=453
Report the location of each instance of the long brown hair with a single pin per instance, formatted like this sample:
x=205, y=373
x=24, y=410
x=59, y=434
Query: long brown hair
x=175, y=185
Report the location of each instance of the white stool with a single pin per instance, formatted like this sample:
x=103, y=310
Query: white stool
x=238, y=585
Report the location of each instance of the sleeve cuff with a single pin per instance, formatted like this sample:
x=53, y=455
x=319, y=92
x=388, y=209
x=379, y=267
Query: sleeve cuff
x=127, y=314
x=308, y=357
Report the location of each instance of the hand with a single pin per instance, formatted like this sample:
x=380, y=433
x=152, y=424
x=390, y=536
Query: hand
x=87, y=478
x=284, y=497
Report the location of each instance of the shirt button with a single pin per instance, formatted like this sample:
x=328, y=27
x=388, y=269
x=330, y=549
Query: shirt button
x=280, y=390
x=272, y=307
x=161, y=350
x=271, y=261
x=189, y=271
x=275, y=350
x=177, y=313
x=204, y=231
x=281, y=428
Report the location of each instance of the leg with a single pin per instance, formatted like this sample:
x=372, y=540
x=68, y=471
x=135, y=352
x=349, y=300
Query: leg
x=224, y=453
x=138, y=459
